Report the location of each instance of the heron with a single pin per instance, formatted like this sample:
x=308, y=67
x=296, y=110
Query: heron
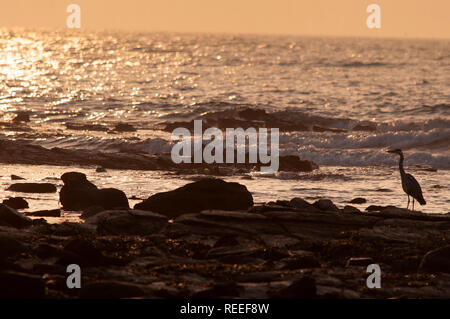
x=409, y=184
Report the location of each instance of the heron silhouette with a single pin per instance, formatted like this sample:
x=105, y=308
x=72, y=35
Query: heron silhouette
x=409, y=184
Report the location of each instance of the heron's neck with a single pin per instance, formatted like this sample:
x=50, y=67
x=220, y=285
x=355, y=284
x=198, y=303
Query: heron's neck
x=400, y=165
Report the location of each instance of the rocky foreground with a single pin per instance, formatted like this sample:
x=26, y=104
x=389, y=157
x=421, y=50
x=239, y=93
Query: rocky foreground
x=193, y=249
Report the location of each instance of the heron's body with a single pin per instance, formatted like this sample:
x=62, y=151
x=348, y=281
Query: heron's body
x=409, y=184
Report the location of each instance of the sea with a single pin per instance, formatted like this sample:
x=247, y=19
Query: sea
x=357, y=98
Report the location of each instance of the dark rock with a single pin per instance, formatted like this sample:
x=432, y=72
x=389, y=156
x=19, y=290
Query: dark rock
x=325, y=204
x=46, y=213
x=16, y=202
x=100, y=170
x=78, y=193
x=86, y=250
x=436, y=261
x=111, y=198
x=32, y=188
x=359, y=261
x=110, y=290
x=20, y=285
x=201, y=195
x=226, y=241
x=300, y=262
x=9, y=217
x=300, y=203
x=16, y=178
x=367, y=128
x=351, y=209
x=128, y=222
x=358, y=200
x=10, y=246
x=294, y=163
x=303, y=288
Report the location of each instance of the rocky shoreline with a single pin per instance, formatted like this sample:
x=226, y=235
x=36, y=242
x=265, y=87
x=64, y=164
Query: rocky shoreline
x=211, y=249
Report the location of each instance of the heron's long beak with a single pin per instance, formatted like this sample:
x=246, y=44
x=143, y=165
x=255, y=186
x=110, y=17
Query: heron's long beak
x=391, y=151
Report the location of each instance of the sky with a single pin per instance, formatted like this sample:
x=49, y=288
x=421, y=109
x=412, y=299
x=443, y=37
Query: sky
x=399, y=18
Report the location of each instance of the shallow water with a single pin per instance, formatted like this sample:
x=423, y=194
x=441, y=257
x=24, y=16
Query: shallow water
x=378, y=185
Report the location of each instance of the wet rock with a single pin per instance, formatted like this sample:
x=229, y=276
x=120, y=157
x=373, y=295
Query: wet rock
x=303, y=288
x=21, y=285
x=201, y=195
x=226, y=241
x=294, y=163
x=32, y=188
x=359, y=261
x=16, y=202
x=351, y=209
x=9, y=217
x=300, y=203
x=110, y=290
x=78, y=193
x=128, y=222
x=111, y=198
x=16, y=178
x=436, y=261
x=100, y=170
x=366, y=128
x=300, y=262
x=45, y=213
x=358, y=200
x=10, y=246
x=84, y=253
x=326, y=205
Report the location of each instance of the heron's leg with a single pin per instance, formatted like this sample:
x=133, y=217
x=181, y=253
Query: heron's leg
x=413, y=203
x=407, y=206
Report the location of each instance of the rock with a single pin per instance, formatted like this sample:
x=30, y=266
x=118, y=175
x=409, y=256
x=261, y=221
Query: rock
x=303, y=288
x=32, y=188
x=294, y=163
x=226, y=241
x=205, y=194
x=326, y=205
x=9, y=217
x=45, y=213
x=300, y=203
x=359, y=261
x=351, y=209
x=366, y=128
x=100, y=170
x=16, y=178
x=358, y=200
x=128, y=222
x=21, y=285
x=78, y=193
x=300, y=262
x=10, y=246
x=90, y=255
x=110, y=290
x=16, y=202
x=111, y=198
x=435, y=261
